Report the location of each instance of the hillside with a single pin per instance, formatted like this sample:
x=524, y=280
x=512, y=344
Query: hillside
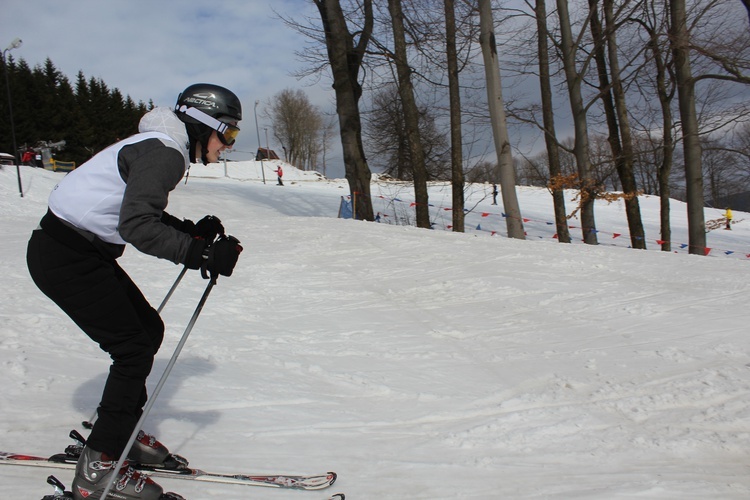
x=417, y=364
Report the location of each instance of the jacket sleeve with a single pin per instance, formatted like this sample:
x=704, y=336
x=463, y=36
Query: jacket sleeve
x=151, y=170
x=182, y=225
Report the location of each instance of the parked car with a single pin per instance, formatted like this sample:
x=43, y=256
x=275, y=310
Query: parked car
x=7, y=159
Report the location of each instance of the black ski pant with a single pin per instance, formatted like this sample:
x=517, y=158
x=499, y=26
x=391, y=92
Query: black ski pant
x=91, y=288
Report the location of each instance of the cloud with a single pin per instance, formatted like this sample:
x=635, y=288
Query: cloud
x=153, y=50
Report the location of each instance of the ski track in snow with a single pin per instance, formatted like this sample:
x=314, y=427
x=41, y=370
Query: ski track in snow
x=416, y=364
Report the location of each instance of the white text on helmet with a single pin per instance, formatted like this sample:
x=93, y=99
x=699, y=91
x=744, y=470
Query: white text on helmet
x=200, y=101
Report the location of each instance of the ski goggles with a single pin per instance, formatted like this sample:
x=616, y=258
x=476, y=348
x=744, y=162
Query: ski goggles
x=229, y=134
x=226, y=131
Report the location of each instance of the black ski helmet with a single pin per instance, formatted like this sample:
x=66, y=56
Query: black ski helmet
x=218, y=103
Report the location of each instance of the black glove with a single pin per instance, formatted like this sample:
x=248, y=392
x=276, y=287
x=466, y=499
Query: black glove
x=208, y=228
x=222, y=257
x=197, y=253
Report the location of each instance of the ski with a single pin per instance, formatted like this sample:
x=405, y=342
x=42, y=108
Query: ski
x=287, y=481
x=61, y=494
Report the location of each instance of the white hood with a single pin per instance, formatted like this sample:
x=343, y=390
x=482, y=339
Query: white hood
x=163, y=119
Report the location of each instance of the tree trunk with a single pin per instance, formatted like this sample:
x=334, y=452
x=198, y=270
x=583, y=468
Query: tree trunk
x=346, y=60
x=665, y=168
x=667, y=147
x=613, y=100
x=513, y=220
x=581, y=141
x=680, y=40
x=457, y=170
x=548, y=117
x=625, y=167
x=411, y=115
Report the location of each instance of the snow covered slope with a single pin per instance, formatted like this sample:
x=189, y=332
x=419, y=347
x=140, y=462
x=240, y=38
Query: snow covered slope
x=417, y=364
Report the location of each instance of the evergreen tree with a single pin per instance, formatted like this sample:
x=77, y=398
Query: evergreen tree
x=88, y=116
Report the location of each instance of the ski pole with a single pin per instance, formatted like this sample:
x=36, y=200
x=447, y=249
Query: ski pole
x=171, y=290
x=162, y=380
x=89, y=424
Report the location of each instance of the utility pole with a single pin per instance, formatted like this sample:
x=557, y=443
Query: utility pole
x=268, y=146
x=13, y=45
x=257, y=131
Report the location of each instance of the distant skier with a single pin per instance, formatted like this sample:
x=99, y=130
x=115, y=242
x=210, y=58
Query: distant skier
x=119, y=197
x=494, y=194
x=728, y=215
x=28, y=157
x=279, y=175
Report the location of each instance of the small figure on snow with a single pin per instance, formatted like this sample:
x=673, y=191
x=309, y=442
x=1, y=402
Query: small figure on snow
x=119, y=197
x=728, y=215
x=279, y=175
x=28, y=157
x=494, y=194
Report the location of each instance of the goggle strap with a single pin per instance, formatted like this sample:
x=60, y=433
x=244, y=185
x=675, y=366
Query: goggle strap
x=204, y=118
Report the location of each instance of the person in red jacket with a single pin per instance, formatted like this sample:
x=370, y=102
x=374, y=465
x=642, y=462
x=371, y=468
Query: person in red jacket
x=279, y=175
x=28, y=157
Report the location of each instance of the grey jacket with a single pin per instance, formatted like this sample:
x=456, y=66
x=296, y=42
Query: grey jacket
x=119, y=196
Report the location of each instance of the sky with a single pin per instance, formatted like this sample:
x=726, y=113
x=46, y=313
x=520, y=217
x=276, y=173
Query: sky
x=153, y=50
x=416, y=364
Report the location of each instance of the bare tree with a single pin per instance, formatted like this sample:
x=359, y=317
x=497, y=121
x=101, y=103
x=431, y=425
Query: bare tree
x=722, y=170
x=346, y=51
x=387, y=144
x=483, y=171
x=548, y=120
x=385, y=136
x=457, y=173
x=741, y=147
x=323, y=146
x=534, y=171
x=612, y=96
x=680, y=39
x=574, y=78
x=652, y=21
x=298, y=126
x=411, y=115
x=513, y=219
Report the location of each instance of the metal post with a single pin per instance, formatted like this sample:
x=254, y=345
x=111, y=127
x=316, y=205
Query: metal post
x=268, y=146
x=257, y=131
x=268, y=152
x=13, y=45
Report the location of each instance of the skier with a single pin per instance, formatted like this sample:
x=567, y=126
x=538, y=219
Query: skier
x=28, y=157
x=279, y=175
x=728, y=215
x=494, y=194
x=119, y=197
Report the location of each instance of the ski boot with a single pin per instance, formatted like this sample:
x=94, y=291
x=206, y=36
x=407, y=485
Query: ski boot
x=61, y=494
x=147, y=451
x=95, y=470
